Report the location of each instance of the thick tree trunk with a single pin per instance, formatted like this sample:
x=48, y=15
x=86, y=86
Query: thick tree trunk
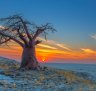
x=29, y=60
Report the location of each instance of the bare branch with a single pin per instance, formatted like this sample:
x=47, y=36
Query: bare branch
x=5, y=41
x=14, y=21
x=43, y=29
x=37, y=42
x=37, y=33
x=22, y=31
x=25, y=27
x=12, y=38
x=22, y=37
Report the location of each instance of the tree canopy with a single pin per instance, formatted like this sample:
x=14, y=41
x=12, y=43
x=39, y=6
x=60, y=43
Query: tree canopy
x=22, y=31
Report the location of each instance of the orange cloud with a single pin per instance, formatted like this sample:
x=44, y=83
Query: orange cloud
x=88, y=50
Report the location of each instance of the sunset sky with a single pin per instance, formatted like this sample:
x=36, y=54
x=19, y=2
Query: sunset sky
x=74, y=20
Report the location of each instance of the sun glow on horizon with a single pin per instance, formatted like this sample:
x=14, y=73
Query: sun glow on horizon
x=43, y=60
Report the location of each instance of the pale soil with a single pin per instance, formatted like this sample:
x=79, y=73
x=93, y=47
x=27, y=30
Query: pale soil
x=51, y=79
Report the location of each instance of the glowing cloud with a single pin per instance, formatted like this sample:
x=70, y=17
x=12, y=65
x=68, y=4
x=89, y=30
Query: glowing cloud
x=54, y=43
x=46, y=46
x=62, y=46
x=88, y=50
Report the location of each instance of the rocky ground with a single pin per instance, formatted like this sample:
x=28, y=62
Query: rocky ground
x=50, y=79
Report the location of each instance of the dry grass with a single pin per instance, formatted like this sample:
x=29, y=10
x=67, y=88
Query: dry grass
x=80, y=89
x=69, y=76
x=4, y=67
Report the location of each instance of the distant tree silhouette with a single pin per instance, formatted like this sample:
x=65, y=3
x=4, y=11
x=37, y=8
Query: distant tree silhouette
x=24, y=33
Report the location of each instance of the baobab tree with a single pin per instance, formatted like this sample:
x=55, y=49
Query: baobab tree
x=17, y=29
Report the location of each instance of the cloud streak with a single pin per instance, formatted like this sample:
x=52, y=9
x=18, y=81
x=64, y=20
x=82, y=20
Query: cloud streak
x=54, y=43
x=93, y=36
x=62, y=46
x=47, y=46
x=86, y=50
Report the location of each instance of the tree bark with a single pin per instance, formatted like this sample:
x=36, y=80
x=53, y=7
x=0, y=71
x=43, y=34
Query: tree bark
x=29, y=60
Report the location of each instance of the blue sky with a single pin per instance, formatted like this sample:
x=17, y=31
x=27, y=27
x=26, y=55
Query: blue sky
x=74, y=20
